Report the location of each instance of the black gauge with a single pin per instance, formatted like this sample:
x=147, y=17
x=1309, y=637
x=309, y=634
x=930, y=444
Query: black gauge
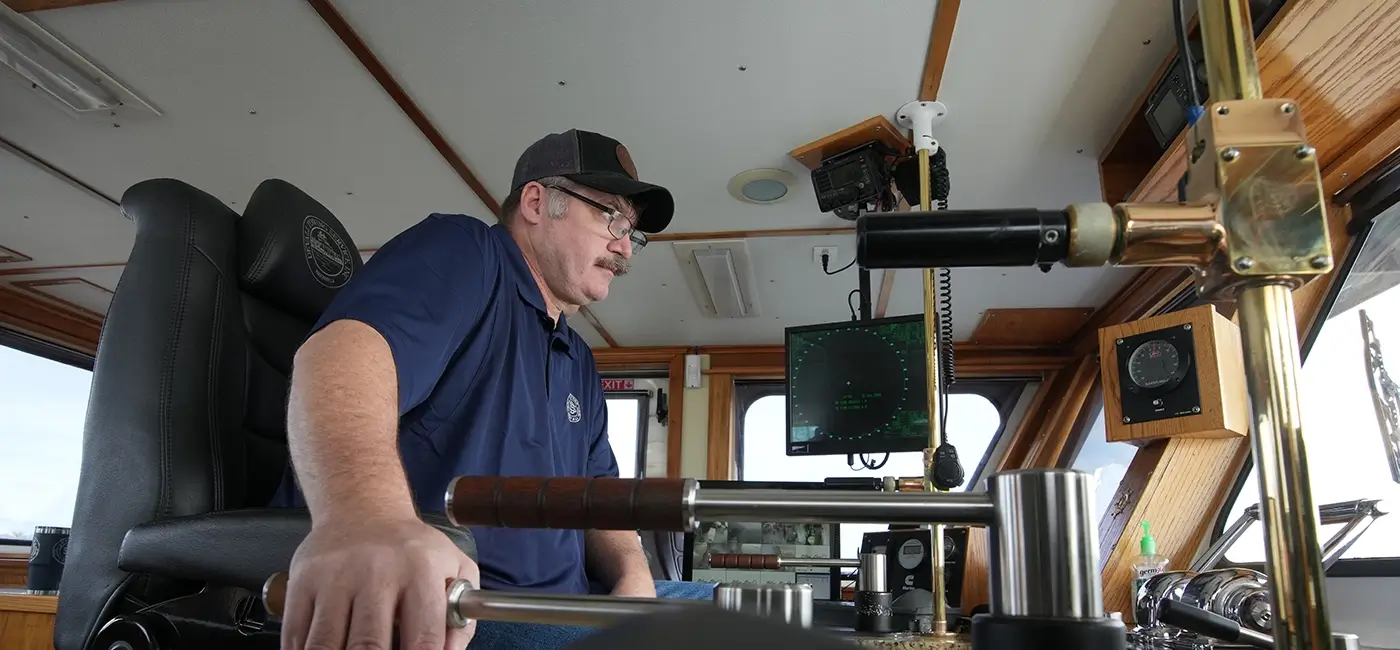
x=1155, y=364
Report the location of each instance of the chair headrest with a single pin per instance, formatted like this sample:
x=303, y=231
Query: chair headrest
x=292, y=252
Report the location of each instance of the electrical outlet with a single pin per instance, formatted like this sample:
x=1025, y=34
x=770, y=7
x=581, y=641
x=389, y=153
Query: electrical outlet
x=830, y=254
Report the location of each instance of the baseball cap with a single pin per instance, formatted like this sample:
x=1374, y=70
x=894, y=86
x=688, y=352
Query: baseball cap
x=599, y=162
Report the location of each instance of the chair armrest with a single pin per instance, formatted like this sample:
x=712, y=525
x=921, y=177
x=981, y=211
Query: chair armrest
x=241, y=548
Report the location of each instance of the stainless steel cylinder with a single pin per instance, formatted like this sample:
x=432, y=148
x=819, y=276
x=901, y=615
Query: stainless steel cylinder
x=1165, y=585
x=1342, y=641
x=1045, y=558
x=1241, y=595
x=841, y=507
x=872, y=576
x=466, y=603
x=789, y=603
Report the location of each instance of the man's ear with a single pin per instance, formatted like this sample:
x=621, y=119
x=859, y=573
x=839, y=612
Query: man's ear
x=534, y=202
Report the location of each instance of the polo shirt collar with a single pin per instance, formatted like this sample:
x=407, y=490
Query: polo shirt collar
x=525, y=282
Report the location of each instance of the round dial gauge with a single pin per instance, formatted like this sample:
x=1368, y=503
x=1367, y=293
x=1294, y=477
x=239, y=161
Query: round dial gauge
x=1154, y=364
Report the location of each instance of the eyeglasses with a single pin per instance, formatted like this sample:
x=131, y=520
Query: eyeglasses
x=618, y=225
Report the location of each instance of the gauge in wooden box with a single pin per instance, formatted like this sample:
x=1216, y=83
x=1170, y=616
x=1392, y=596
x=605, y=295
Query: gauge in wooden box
x=1177, y=374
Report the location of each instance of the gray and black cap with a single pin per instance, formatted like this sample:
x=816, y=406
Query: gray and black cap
x=602, y=163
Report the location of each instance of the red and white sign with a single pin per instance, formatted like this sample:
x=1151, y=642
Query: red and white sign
x=618, y=384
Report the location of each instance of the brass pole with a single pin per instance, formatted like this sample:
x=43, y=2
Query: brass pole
x=933, y=363
x=1228, y=41
x=1294, y=558
x=1267, y=326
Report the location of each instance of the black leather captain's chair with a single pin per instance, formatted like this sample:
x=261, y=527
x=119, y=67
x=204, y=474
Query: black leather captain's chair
x=185, y=434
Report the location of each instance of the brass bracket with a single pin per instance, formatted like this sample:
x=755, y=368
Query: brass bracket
x=1252, y=161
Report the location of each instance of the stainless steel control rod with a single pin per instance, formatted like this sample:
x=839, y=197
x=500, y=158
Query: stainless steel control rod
x=677, y=504
x=823, y=507
x=465, y=603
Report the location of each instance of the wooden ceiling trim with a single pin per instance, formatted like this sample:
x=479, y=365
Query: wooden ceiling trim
x=24, y=6
x=37, y=287
x=1030, y=326
x=940, y=40
x=34, y=316
x=376, y=69
x=882, y=302
x=639, y=358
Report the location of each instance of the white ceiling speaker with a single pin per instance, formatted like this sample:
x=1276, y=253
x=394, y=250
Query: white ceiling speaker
x=49, y=67
x=762, y=186
x=719, y=276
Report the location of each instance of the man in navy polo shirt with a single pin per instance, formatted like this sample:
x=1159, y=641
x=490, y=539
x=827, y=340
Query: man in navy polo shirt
x=450, y=354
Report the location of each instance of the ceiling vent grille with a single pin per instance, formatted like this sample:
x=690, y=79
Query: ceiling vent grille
x=720, y=277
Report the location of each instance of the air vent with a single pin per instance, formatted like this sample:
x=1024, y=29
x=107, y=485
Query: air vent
x=719, y=276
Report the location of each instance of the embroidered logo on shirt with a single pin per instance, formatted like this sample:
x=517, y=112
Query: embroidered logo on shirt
x=575, y=413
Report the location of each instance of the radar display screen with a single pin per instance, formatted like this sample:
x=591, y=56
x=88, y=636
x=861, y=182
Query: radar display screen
x=857, y=387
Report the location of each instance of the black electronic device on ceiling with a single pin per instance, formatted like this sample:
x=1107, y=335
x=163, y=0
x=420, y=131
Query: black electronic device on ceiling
x=857, y=387
x=846, y=183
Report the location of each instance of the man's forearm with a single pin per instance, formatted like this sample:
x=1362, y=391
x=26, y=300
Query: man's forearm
x=614, y=555
x=342, y=425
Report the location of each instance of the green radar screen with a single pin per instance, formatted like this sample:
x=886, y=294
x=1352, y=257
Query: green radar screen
x=857, y=388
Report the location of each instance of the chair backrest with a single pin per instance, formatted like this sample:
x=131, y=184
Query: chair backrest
x=186, y=413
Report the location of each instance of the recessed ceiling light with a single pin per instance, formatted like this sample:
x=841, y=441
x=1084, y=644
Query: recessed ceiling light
x=761, y=185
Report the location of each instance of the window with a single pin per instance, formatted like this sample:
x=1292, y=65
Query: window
x=43, y=404
x=627, y=412
x=974, y=423
x=1346, y=451
x=1107, y=462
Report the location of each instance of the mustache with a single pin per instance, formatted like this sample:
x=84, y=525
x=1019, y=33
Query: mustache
x=616, y=263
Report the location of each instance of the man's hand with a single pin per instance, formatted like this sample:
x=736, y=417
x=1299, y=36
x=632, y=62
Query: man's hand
x=350, y=580
x=635, y=586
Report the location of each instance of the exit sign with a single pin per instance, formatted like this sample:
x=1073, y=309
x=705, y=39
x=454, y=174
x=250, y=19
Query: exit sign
x=617, y=384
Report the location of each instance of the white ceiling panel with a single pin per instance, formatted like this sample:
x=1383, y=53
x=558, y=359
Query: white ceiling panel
x=661, y=76
x=249, y=90
x=53, y=222
x=256, y=89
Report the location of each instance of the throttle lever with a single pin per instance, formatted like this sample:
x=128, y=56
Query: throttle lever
x=1200, y=621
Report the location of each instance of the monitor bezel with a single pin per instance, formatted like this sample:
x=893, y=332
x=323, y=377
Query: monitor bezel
x=914, y=444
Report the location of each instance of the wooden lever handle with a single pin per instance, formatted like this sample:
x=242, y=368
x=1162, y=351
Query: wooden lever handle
x=274, y=594
x=743, y=561
x=570, y=503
